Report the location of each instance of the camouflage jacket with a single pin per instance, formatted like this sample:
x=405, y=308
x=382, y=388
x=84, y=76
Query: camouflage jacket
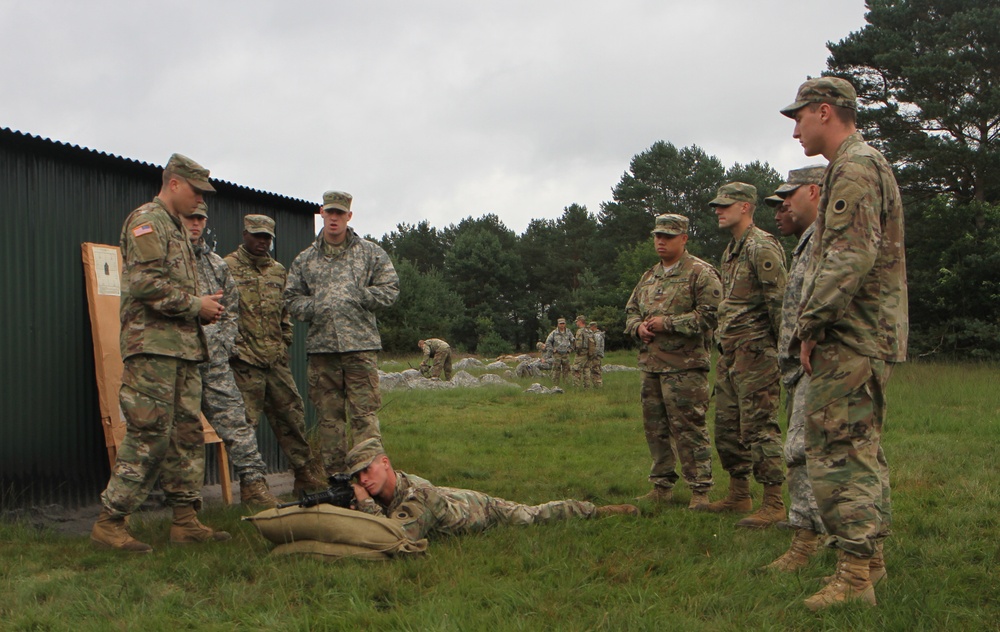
x=433, y=345
x=687, y=296
x=855, y=291
x=560, y=342
x=160, y=301
x=265, y=326
x=214, y=275
x=753, y=286
x=338, y=294
x=788, y=343
x=405, y=483
x=598, y=343
x=584, y=342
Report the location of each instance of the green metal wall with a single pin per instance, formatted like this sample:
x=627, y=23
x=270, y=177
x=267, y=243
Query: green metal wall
x=53, y=197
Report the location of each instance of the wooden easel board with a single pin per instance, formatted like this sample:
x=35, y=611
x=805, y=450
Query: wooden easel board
x=102, y=266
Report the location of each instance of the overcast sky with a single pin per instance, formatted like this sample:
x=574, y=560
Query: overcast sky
x=420, y=109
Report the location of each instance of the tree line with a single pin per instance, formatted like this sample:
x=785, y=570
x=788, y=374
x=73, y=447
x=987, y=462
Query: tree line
x=928, y=80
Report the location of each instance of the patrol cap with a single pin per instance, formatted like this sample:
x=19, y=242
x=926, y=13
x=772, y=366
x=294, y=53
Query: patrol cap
x=671, y=224
x=797, y=177
x=258, y=225
x=337, y=201
x=581, y=317
x=561, y=321
x=195, y=174
x=735, y=192
x=774, y=201
x=201, y=211
x=592, y=324
x=362, y=455
x=540, y=346
x=832, y=90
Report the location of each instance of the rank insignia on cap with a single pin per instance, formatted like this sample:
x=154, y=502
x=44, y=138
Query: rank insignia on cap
x=145, y=229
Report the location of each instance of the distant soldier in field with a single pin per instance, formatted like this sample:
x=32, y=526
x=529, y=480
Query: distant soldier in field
x=437, y=358
x=162, y=343
x=596, y=378
x=672, y=312
x=261, y=365
x=795, y=214
x=425, y=509
x=747, y=388
x=336, y=285
x=584, y=344
x=560, y=344
x=221, y=401
x=853, y=323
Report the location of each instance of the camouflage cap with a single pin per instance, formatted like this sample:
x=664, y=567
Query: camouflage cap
x=259, y=225
x=797, y=177
x=337, y=200
x=201, y=211
x=195, y=174
x=774, y=201
x=540, y=346
x=561, y=321
x=592, y=324
x=362, y=455
x=671, y=224
x=735, y=192
x=832, y=90
x=581, y=317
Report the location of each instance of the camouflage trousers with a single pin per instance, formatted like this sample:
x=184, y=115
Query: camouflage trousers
x=581, y=371
x=441, y=364
x=160, y=398
x=272, y=391
x=449, y=511
x=222, y=405
x=596, y=377
x=673, y=416
x=747, y=396
x=845, y=411
x=802, y=510
x=560, y=367
x=342, y=383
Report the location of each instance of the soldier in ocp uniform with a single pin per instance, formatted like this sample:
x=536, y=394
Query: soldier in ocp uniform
x=439, y=352
x=584, y=344
x=261, y=365
x=162, y=343
x=425, y=509
x=560, y=344
x=336, y=285
x=221, y=401
x=596, y=378
x=747, y=389
x=671, y=313
x=853, y=323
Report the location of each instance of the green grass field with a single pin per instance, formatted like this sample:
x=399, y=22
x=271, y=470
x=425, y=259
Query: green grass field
x=670, y=569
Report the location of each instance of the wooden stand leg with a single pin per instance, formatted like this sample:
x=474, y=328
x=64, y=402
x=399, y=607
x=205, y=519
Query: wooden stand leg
x=224, y=479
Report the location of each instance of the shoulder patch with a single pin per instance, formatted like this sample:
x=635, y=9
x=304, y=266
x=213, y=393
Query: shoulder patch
x=144, y=229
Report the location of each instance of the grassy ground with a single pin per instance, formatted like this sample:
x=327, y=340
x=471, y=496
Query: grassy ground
x=669, y=569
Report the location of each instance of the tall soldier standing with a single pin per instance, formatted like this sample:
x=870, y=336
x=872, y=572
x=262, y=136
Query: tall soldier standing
x=672, y=312
x=853, y=323
x=161, y=344
x=560, y=344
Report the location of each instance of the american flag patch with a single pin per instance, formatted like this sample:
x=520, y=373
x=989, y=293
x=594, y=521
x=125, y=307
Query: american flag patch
x=145, y=229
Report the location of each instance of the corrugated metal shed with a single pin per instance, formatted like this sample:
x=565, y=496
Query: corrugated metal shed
x=53, y=197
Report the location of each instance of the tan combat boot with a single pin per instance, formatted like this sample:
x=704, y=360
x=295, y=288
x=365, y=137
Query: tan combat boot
x=876, y=567
x=111, y=533
x=186, y=529
x=698, y=499
x=737, y=500
x=805, y=542
x=659, y=495
x=257, y=493
x=621, y=510
x=771, y=511
x=851, y=583
x=307, y=481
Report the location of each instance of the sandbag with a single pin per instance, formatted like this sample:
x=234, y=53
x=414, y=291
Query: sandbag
x=328, y=551
x=334, y=525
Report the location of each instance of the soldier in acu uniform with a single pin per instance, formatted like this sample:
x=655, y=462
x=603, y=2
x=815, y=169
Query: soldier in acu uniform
x=559, y=343
x=853, y=323
x=221, y=401
x=596, y=378
x=261, y=363
x=672, y=312
x=425, y=509
x=162, y=343
x=747, y=388
x=335, y=285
